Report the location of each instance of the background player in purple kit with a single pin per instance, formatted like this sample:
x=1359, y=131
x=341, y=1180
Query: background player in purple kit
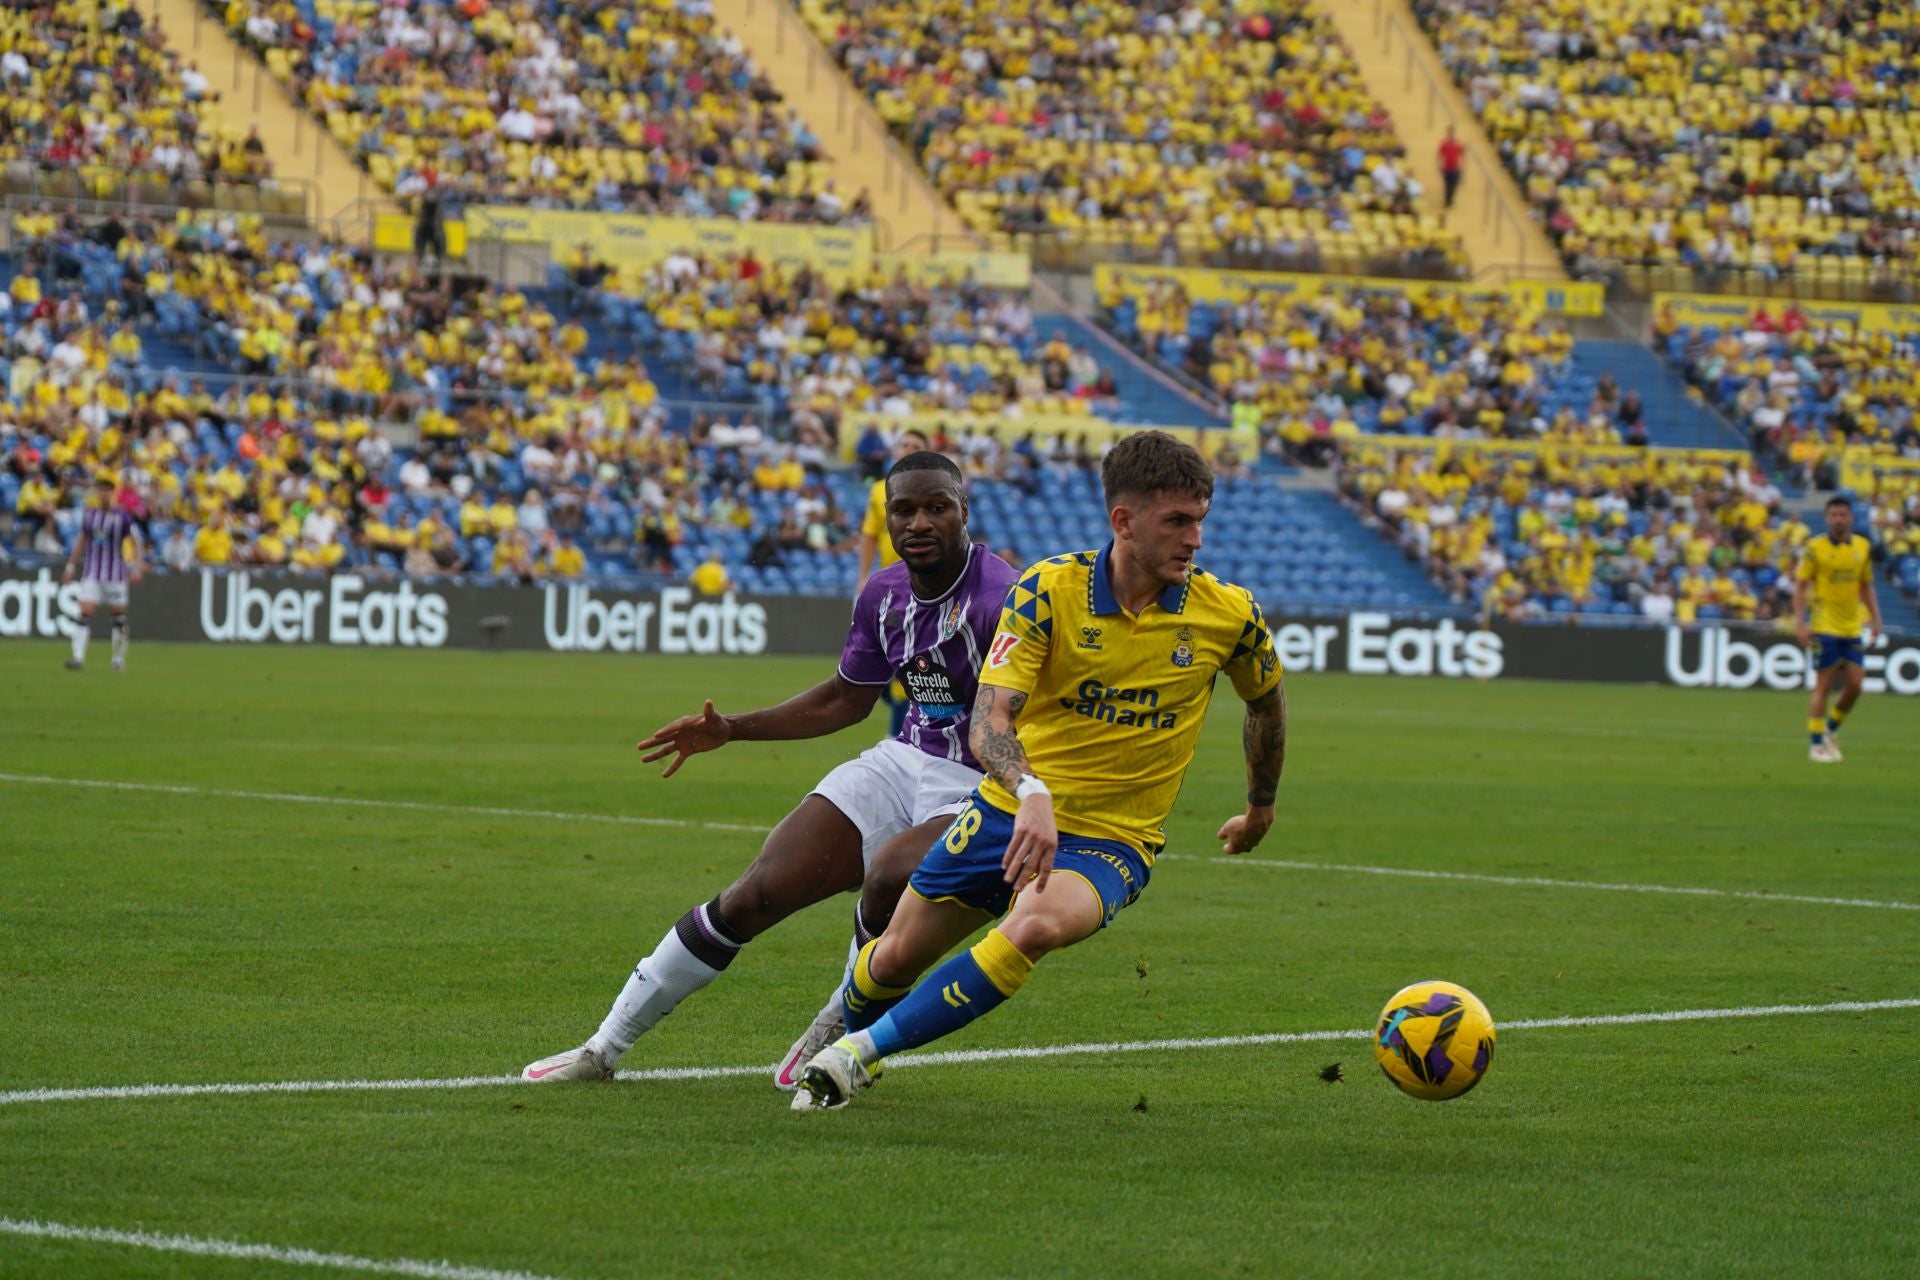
x=926, y=620
x=105, y=572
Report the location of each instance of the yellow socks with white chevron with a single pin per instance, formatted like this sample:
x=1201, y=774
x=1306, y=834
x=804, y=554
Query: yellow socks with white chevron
x=971, y=984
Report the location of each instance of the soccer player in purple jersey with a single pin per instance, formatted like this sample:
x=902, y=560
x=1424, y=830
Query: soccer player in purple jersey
x=926, y=620
x=105, y=570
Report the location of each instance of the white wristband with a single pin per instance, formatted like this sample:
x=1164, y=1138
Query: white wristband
x=1030, y=786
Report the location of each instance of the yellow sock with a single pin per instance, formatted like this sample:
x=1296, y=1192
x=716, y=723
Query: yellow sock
x=1817, y=729
x=1836, y=718
x=1002, y=962
x=865, y=1001
x=864, y=981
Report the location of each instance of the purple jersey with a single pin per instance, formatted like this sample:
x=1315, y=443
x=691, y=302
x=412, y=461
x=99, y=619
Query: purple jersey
x=106, y=529
x=933, y=647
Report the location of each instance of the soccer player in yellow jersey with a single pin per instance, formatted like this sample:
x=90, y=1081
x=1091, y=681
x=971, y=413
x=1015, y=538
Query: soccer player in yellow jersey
x=1090, y=704
x=1836, y=572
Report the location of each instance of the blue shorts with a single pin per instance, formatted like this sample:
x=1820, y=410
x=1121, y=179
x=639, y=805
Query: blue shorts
x=1834, y=649
x=964, y=864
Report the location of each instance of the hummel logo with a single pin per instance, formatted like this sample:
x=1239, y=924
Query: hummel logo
x=954, y=995
x=1090, y=638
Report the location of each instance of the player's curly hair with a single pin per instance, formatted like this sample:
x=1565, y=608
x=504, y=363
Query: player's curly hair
x=1147, y=463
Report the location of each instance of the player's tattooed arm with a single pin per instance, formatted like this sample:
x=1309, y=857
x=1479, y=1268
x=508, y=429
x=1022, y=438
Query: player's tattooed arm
x=1264, y=736
x=995, y=741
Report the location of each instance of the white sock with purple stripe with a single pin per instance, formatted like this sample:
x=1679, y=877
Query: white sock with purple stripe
x=692, y=954
x=82, y=632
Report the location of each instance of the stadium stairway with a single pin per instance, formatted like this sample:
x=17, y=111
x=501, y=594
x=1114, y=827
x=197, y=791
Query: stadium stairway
x=860, y=153
x=303, y=152
x=1674, y=417
x=1151, y=395
x=1403, y=70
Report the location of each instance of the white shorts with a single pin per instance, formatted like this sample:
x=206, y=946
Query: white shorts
x=94, y=591
x=891, y=787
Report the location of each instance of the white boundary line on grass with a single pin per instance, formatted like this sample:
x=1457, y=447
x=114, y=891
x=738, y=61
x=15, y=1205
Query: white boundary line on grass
x=949, y=1058
x=358, y=802
x=1542, y=882
x=206, y=1248
x=428, y=806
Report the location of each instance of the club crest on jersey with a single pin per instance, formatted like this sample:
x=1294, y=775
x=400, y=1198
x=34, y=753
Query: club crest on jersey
x=1090, y=638
x=1183, y=649
x=952, y=620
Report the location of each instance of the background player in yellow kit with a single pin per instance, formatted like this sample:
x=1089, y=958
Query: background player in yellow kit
x=1836, y=572
x=1090, y=703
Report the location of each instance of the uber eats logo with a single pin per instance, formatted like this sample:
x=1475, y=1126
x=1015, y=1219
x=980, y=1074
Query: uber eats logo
x=1117, y=706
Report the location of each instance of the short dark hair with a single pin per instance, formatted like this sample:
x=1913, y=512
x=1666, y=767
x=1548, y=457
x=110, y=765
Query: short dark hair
x=1145, y=463
x=926, y=460
x=1839, y=502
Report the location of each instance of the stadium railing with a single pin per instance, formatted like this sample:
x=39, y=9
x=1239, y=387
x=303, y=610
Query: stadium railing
x=281, y=201
x=1853, y=281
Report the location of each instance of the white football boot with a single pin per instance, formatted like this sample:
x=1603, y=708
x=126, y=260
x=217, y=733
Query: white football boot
x=584, y=1063
x=828, y=1025
x=834, y=1076
x=1823, y=752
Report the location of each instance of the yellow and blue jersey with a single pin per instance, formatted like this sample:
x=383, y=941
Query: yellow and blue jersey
x=1836, y=571
x=874, y=525
x=1116, y=700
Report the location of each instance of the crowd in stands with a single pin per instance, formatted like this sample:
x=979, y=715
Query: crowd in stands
x=1764, y=139
x=532, y=459
x=806, y=349
x=1804, y=391
x=1184, y=129
x=1555, y=531
x=649, y=108
x=1320, y=369
x=528, y=456
x=90, y=90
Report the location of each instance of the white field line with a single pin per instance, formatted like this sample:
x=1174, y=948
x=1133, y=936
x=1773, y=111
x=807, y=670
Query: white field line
x=948, y=1058
x=356, y=802
x=256, y=1252
x=426, y=806
x=1542, y=882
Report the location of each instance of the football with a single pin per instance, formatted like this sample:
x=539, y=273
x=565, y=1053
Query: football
x=1434, y=1040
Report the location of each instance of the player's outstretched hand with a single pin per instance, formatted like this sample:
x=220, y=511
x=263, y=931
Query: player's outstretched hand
x=1243, y=832
x=687, y=736
x=1035, y=839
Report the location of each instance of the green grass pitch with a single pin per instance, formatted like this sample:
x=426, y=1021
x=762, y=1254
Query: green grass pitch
x=150, y=936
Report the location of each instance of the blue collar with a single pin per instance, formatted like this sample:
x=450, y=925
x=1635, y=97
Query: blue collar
x=1100, y=588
